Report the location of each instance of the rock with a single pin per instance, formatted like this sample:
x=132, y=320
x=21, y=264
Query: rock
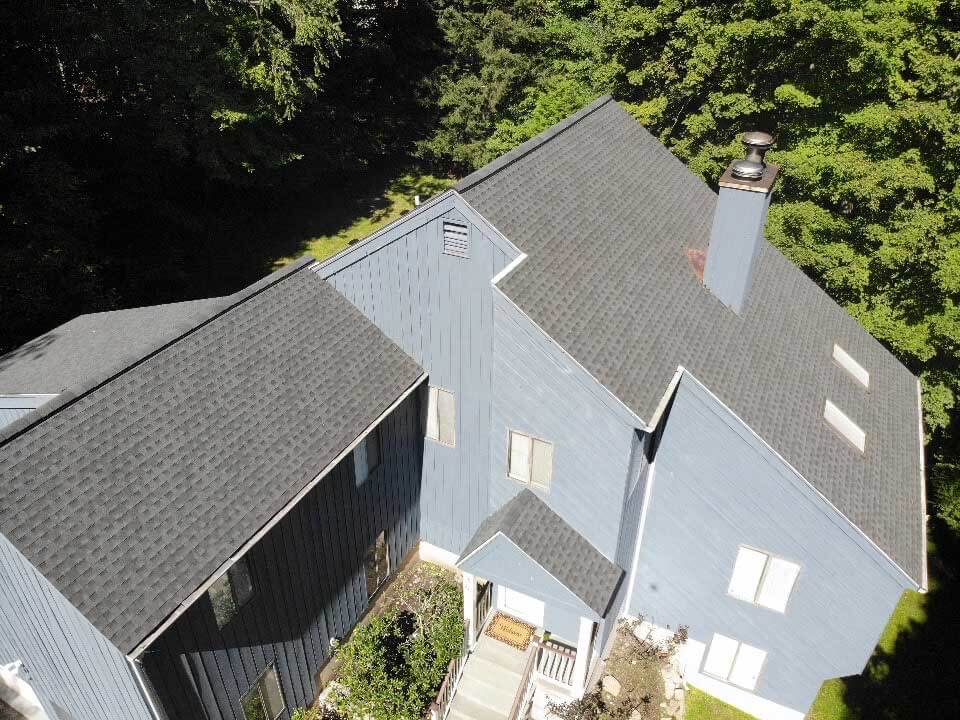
x=611, y=685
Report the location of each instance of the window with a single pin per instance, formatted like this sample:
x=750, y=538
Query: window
x=230, y=592
x=530, y=460
x=377, y=564
x=762, y=579
x=456, y=239
x=734, y=661
x=442, y=417
x=366, y=456
x=844, y=425
x=857, y=371
x=264, y=701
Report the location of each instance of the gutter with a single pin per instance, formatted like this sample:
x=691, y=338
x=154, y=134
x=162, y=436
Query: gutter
x=277, y=517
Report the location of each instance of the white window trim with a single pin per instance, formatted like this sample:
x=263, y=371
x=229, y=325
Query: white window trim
x=733, y=662
x=770, y=557
x=256, y=684
x=533, y=438
x=845, y=360
x=437, y=439
x=844, y=426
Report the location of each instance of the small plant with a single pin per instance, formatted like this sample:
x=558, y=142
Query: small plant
x=317, y=712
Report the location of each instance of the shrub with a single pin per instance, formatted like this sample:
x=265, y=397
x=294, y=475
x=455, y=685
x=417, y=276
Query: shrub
x=393, y=666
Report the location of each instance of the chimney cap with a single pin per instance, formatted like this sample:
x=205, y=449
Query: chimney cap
x=758, y=140
x=747, y=169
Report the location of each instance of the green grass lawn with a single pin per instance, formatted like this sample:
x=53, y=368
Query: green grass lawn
x=701, y=706
x=350, y=213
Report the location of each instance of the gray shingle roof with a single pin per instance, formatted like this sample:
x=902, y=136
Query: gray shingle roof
x=128, y=497
x=607, y=216
x=554, y=545
x=92, y=347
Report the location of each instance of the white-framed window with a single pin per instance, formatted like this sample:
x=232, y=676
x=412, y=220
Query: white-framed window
x=230, y=592
x=734, y=662
x=530, y=460
x=442, y=416
x=367, y=456
x=762, y=579
x=845, y=360
x=846, y=427
x=377, y=564
x=264, y=701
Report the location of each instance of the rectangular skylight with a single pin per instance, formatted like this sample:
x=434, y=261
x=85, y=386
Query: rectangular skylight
x=844, y=425
x=856, y=370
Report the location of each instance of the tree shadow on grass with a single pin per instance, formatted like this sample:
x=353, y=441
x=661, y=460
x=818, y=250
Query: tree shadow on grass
x=921, y=677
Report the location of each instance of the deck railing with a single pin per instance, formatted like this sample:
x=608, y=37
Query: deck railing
x=484, y=603
x=556, y=661
x=441, y=706
x=549, y=659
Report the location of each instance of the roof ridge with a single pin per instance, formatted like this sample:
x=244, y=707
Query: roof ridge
x=68, y=397
x=524, y=149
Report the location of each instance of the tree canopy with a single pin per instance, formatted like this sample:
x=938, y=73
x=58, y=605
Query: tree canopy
x=139, y=141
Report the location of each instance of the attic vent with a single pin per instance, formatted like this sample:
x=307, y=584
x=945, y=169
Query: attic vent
x=844, y=425
x=456, y=241
x=856, y=370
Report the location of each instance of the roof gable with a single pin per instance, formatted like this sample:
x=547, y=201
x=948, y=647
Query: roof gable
x=611, y=224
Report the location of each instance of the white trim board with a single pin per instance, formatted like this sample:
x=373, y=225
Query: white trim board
x=437, y=555
x=277, y=517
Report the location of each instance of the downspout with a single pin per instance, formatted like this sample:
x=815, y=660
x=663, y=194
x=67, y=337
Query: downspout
x=136, y=668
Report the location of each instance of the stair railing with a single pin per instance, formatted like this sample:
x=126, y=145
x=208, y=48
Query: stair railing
x=441, y=706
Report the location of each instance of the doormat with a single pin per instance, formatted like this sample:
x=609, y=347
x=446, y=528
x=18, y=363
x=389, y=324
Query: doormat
x=511, y=631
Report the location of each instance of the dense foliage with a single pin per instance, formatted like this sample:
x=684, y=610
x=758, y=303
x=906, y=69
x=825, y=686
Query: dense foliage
x=150, y=152
x=863, y=96
x=393, y=666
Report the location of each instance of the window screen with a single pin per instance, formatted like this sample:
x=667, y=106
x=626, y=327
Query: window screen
x=264, y=701
x=442, y=416
x=530, y=460
x=231, y=592
x=763, y=579
x=734, y=661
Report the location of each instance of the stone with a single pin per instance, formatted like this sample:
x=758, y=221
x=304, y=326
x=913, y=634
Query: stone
x=611, y=685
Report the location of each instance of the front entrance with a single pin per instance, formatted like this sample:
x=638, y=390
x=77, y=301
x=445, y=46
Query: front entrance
x=522, y=606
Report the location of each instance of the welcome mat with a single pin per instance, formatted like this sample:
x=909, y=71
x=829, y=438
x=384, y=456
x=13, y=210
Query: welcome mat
x=511, y=631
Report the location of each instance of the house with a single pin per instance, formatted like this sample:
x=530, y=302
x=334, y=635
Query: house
x=581, y=377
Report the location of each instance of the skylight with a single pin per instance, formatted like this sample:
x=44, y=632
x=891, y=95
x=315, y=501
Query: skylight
x=857, y=371
x=844, y=425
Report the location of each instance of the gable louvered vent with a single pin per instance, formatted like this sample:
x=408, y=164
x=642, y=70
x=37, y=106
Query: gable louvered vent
x=456, y=240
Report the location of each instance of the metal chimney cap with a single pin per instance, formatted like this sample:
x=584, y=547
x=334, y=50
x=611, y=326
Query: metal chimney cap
x=747, y=169
x=757, y=140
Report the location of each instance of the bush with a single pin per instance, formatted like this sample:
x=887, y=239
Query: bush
x=393, y=666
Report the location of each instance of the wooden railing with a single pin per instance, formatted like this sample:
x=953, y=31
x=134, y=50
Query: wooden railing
x=547, y=658
x=556, y=661
x=484, y=603
x=441, y=706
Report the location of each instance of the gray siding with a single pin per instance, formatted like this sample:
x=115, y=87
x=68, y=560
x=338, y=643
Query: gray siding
x=717, y=486
x=513, y=569
x=538, y=389
x=75, y=671
x=439, y=309
x=309, y=585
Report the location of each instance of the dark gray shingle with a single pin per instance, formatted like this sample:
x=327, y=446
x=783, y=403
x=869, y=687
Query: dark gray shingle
x=608, y=217
x=131, y=495
x=553, y=544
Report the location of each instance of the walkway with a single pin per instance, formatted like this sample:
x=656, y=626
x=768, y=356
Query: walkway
x=490, y=682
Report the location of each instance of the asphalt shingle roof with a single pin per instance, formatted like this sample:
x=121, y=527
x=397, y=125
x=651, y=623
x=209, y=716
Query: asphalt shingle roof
x=90, y=346
x=609, y=219
x=554, y=545
x=128, y=497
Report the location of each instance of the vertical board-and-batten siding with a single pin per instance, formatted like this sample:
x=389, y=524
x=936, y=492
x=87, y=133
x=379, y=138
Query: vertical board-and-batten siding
x=309, y=585
x=75, y=671
x=540, y=391
x=439, y=308
x=718, y=486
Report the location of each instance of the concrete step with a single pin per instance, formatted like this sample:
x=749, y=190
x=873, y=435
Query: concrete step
x=499, y=652
x=464, y=708
x=488, y=684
